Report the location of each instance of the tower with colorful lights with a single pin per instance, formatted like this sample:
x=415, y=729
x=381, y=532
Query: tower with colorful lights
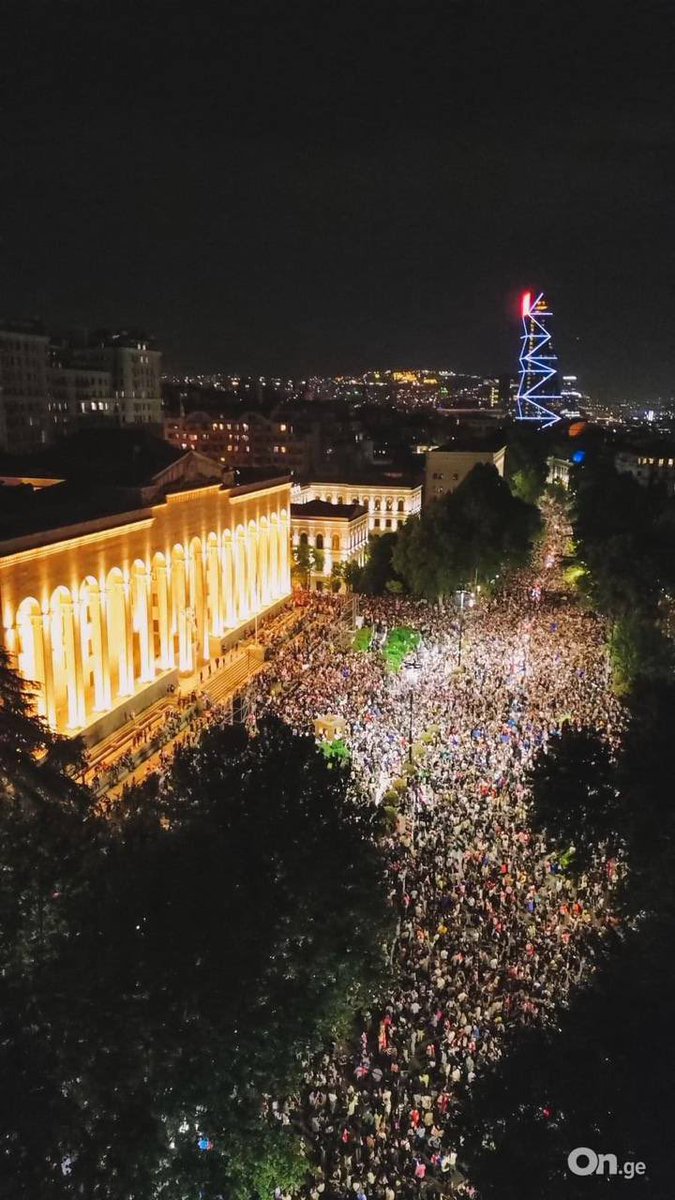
x=537, y=383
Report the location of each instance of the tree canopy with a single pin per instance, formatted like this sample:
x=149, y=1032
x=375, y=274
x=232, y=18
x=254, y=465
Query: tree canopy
x=625, y=556
x=575, y=796
x=601, y=1074
x=377, y=576
x=199, y=943
x=477, y=533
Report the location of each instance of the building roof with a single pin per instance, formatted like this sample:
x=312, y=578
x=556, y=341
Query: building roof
x=368, y=477
x=328, y=511
x=123, y=457
x=467, y=443
x=103, y=474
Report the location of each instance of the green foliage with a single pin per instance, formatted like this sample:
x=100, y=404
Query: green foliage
x=307, y=561
x=526, y=462
x=176, y=962
x=363, y=638
x=638, y=649
x=399, y=644
x=613, y=524
x=378, y=575
x=576, y=1084
x=574, y=795
x=336, y=750
x=476, y=533
x=625, y=560
x=353, y=574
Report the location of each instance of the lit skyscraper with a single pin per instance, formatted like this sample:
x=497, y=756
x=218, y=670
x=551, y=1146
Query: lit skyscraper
x=538, y=379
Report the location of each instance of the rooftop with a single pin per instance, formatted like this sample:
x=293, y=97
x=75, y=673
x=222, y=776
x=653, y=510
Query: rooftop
x=368, y=477
x=468, y=443
x=328, y=511
x=126, y=457
x=103, y=474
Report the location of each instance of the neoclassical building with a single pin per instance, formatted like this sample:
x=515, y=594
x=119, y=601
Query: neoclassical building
x=96, y=611
x=389, y=500
x=338, y=531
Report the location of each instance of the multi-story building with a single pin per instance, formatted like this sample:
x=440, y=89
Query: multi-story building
x=649, y=465
x=246, y=440
x=135, y=368
x=50, y=388
x=559, y=471
x=107, y=597
x=79, y=395
x=447, y=466
x=339, y=532
x=24, y=366
x=389, y=498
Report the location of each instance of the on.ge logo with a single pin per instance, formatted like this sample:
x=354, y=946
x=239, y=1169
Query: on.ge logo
x=584, y=1161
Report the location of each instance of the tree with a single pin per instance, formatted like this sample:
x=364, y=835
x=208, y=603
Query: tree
x=576, y=1083
x=575, y=798
x=591, y=1080
x=307, y=561
x=475, y=534
x=378, y=572
x=614, y=522
x=225, y=923
x=526, y=459
x=639, y=650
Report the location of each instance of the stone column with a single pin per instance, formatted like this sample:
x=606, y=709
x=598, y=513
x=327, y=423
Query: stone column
x=128, y=642
x=50, y=693
x=227, y=597
x=165, y=644
x=213, y=603
x=104, y=673
x=72, y=652
x=144, y=626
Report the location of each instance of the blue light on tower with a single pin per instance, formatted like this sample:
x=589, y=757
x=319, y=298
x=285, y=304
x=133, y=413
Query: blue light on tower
x=538, y=365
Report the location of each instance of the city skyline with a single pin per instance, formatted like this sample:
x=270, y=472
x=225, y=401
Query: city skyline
x=298, y=195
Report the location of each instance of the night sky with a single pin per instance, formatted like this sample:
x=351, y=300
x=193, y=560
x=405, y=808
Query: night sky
x=291, y=187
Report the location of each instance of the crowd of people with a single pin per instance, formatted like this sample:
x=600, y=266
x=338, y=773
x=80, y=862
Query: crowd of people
x=492, y=931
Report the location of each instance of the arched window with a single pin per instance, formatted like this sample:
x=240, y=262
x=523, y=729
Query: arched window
x=303, y=539
x=390, y=504
x=319, y=541
x=378, y=505
x=336, y=542
x=399, y=506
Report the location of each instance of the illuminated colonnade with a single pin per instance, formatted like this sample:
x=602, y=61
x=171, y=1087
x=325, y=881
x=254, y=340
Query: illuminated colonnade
x=93, y=613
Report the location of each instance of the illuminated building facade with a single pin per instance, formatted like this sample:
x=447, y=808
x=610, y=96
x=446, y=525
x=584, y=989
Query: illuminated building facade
x=338, y=531
x=247, y=440
x=388, y=502
x=537, y=384
x=96, y=613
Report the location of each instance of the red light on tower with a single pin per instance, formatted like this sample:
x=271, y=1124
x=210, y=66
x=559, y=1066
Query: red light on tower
x=526, y=304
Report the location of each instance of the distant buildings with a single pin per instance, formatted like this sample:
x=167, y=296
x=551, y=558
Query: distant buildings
x=650, y=465
x=24, y=385
x=247, y=440
x=446, y=467
x=51, y=387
